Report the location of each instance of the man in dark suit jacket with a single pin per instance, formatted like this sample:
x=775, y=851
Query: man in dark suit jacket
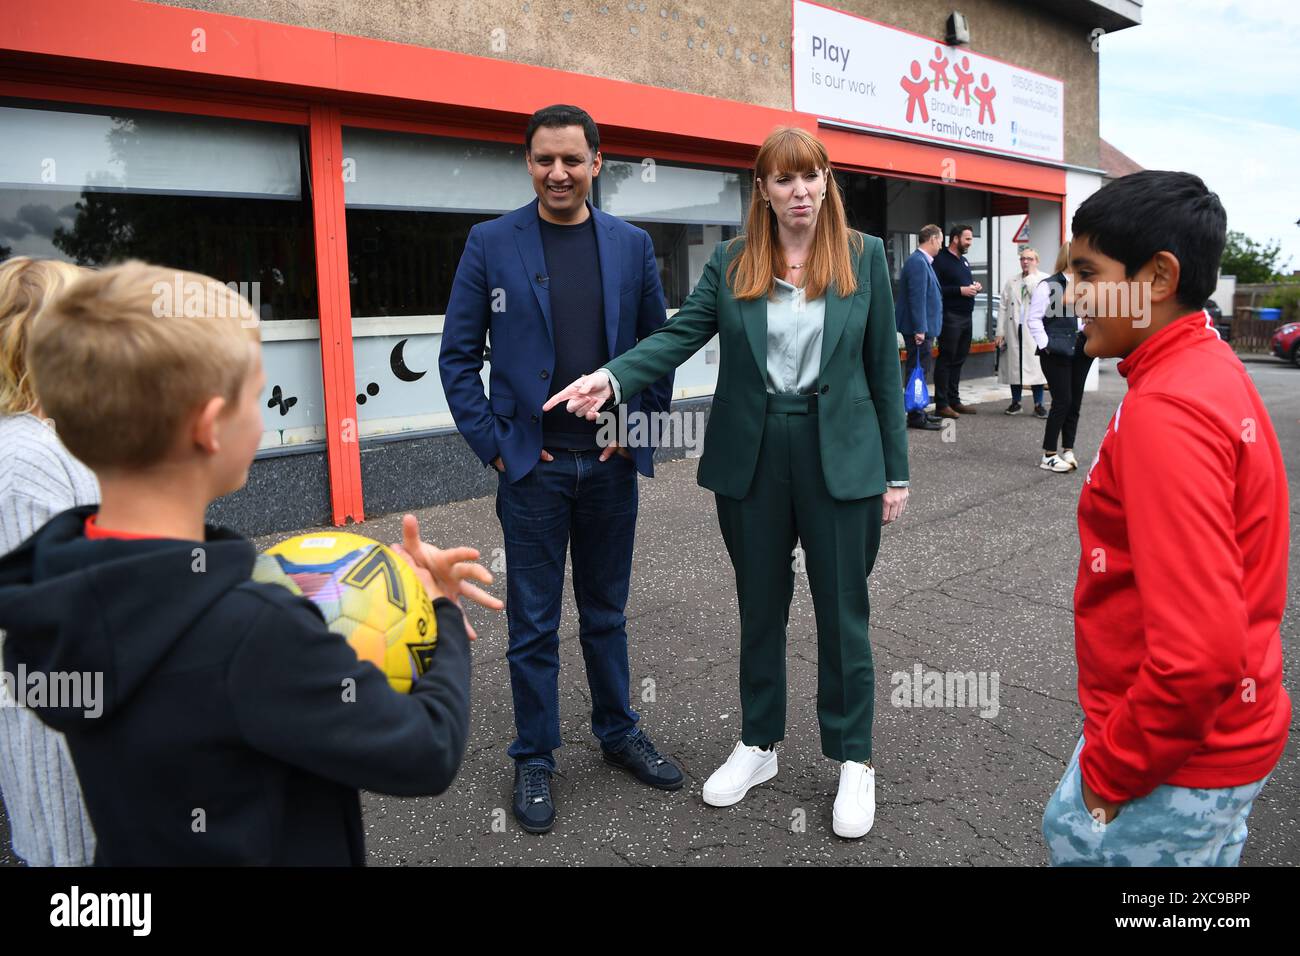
x=918, y=312
x=562, y=288
x=959, y=289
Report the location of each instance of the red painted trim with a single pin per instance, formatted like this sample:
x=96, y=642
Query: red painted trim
x=927, y=163
x=338, y=376
x=504, y=93
x=405, y=123
x=155, y=43
x=621, y=145
x=143, y=97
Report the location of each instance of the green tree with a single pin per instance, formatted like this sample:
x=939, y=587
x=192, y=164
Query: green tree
x=1251, y=261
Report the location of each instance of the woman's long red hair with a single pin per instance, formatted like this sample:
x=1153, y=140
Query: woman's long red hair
x=789, y=149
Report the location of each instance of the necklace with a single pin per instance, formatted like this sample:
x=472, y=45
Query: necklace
x=798, y=265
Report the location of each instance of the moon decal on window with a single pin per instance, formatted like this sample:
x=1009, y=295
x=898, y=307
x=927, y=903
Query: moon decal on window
x=397, y=362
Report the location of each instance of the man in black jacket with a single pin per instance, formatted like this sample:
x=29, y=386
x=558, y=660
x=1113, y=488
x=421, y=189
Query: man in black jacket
x=959, y=289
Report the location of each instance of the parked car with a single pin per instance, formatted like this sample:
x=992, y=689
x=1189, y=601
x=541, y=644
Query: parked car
x=1286, y=343
x=1222, y=323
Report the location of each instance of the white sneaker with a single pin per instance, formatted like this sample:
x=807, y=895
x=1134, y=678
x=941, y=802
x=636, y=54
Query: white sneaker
x=855, y=804
x=1069, y=459
x=746, y=767
x=1054, y=463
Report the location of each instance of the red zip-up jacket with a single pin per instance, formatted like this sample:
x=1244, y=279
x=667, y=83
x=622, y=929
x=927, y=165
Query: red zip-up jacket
x=1183, y=524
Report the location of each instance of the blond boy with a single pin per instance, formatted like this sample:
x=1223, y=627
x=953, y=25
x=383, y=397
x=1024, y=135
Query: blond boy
x=232, y=727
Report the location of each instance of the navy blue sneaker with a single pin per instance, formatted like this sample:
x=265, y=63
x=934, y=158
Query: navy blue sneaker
x=534, y=808
x=638, y=755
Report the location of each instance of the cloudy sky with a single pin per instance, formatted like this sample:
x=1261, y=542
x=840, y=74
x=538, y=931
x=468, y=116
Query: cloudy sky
x=1213, y=87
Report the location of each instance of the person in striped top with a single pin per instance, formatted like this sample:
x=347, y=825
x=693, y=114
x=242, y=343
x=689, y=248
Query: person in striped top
x=38, y=479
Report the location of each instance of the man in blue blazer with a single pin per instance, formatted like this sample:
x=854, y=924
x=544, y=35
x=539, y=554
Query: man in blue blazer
x=918, y=312
x=561, y=288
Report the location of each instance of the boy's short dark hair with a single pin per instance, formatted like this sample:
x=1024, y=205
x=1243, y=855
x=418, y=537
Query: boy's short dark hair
x=955, y=232
x=560, y=115
x=1140, y=214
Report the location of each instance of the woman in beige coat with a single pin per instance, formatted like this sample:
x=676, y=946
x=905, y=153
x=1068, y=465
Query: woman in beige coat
x=1019, y=366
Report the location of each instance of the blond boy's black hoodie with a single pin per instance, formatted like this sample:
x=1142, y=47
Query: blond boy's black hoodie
x=232, y=726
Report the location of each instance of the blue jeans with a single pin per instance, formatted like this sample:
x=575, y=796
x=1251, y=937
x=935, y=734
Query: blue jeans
x=1038, y=394
x=586, y=507
x=1170, y=826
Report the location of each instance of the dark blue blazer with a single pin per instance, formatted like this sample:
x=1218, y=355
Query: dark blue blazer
x=499, y=289
x=919, y=306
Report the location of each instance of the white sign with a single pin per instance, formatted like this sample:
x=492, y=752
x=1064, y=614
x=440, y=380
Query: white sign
x=856, y=70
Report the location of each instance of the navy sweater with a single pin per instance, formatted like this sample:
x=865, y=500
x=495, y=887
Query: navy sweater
x=578, y=312
x=953, y=273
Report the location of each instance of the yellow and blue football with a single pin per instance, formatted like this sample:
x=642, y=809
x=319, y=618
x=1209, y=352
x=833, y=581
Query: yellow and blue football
x=368, y=595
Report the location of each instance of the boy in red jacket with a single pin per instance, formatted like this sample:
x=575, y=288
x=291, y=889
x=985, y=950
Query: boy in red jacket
x=1183, y=572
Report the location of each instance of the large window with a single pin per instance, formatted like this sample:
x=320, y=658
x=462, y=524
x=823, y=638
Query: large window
x=909, y=207
x=687, y=212
x=864, y=201
x=223, y=197
x=411, y=201
x=971, y=207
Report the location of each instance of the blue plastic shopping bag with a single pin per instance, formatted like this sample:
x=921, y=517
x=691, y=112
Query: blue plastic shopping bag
x=917, y=396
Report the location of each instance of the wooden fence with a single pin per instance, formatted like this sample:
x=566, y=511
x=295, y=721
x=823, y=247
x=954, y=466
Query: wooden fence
x=1250, y=333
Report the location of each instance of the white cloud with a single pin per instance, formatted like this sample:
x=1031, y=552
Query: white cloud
x=1212, y=87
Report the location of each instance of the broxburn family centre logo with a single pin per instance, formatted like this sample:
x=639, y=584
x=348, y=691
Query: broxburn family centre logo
x=850, y=69
x=917, y=86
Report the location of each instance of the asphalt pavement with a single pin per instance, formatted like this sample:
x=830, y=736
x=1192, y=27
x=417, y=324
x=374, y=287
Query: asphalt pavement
x=977, y=577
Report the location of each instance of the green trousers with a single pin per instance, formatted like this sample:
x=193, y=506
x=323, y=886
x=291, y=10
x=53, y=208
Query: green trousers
x=788, y=502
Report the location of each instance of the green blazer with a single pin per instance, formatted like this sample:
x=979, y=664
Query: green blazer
x=863, y=427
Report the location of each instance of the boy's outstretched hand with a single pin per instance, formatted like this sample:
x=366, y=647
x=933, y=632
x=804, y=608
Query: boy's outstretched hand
x=446, y=573
x=586, y=396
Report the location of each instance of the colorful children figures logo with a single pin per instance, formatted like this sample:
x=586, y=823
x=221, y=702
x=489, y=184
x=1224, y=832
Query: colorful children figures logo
x=916, y=88
x=940, y=67
x=963, y=87
x=964, y=77
x=985, y=95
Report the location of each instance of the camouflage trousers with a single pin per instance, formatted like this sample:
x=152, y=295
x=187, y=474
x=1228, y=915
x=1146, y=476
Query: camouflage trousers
x=1170, y=826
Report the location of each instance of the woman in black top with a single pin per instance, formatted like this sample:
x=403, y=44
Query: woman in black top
x=1058, y=335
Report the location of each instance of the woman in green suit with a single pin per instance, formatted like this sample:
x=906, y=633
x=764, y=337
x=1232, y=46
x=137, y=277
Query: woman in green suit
x=806, y=442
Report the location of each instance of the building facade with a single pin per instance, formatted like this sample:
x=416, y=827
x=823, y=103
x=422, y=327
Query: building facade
x=329, y=159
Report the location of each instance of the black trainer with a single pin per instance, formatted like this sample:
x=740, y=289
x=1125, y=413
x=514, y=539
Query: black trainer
x=638, y=755
x=1040, y=411
x=534, y=808
x=1012, y=409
